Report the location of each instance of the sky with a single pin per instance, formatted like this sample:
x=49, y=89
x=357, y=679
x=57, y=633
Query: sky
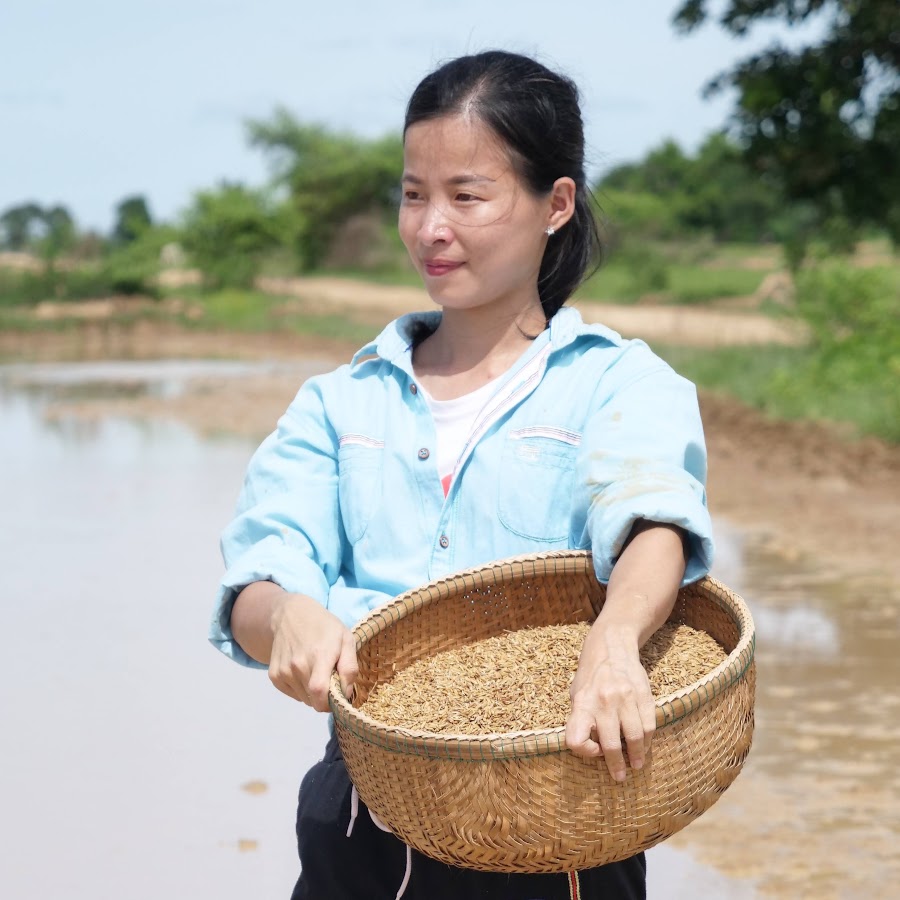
x=104, y=99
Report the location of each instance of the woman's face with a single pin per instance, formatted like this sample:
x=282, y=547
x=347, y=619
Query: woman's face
x=473, y=230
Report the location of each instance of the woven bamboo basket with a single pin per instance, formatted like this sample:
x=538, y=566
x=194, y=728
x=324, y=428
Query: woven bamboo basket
x=522, y=802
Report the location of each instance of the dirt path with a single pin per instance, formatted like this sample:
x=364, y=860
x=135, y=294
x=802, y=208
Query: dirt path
x=670, y=324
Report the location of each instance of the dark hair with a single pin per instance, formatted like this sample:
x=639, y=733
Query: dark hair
x=535, y=112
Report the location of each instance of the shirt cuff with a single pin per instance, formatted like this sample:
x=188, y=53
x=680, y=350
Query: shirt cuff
x=682, y=505
x=269, y=560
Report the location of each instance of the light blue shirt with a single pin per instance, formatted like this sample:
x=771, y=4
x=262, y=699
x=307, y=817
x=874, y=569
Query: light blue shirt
x=586, y=434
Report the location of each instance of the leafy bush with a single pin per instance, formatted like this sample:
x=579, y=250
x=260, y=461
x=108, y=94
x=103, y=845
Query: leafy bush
x=648, y=268
x=28, y=288
x=132, y=268
x=637, y=213
x=228, y=231
x=329, y=177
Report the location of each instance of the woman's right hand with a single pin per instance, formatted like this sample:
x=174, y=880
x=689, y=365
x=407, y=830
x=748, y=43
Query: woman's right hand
x=308, y=644
x=300, y=641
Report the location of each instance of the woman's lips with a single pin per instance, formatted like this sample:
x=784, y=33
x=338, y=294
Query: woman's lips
x=439, y=267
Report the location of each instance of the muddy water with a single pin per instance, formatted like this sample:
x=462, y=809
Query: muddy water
x=816, y=812
x=139, y=763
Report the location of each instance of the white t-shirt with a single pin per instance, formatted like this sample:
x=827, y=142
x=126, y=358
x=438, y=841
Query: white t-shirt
x=453, y=423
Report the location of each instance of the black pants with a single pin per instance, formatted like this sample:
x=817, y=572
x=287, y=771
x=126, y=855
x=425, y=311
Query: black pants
x=370, y=864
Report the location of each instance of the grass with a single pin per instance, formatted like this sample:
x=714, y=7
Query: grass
x=850, y=372
x=690, y=284
x=781, y=382
x=253, y=311
x=240, y=311
x=405, y=276
x=743, y=372
x=625, y=282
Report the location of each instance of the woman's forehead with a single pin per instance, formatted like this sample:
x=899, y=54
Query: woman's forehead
x=453, y=148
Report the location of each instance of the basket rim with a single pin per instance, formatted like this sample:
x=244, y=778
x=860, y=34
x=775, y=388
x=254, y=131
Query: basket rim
x=670, y=708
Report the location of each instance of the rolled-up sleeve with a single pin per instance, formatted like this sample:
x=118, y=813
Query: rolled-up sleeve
x=287, y=523
x=644, y=457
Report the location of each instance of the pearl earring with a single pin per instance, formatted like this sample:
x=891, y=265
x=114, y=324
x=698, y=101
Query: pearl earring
x=550, y=230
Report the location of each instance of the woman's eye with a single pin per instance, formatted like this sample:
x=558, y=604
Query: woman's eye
x=466, y=198
x=410, y=195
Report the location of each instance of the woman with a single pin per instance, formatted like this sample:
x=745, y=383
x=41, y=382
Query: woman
x=496, y=426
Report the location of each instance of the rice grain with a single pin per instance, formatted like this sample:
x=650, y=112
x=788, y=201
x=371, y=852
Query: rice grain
x=519, y=680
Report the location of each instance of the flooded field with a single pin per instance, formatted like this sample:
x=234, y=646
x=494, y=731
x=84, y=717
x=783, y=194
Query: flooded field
x=138, y=763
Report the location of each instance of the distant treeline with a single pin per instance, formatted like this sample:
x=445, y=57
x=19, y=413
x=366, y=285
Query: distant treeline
x=332, y=199
x=672, y=195
x=810, y=154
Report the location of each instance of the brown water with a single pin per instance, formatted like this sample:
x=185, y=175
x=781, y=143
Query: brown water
x=816, y=812
x=138, y=763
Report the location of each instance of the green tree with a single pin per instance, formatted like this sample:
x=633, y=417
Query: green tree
x=132, y=268
x=329, y=177
x=21, y=225
x=670, y=194
x=228, y=231
x=662, y=172
x=636, y=213
x=59, y=232
x=822, y=119
x=132, y=219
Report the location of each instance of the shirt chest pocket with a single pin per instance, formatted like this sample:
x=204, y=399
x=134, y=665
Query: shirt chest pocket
x=536, y=481
x=360, y=479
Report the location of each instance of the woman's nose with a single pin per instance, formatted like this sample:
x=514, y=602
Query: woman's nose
x=434, y=228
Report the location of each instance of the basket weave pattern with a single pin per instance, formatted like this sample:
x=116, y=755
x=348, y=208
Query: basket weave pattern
x=521, y=802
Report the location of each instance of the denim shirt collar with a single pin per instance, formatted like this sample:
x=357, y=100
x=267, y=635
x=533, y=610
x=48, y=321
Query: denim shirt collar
x=395, y=341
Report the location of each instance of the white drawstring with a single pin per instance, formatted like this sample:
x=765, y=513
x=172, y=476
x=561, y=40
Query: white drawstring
x=354, y=811
x=406, y=874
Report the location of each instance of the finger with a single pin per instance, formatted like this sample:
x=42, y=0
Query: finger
x=318, y=684
x=633, y=732
x=610, y=736
x=347, y=665
x=648, y=720
x=579, y=738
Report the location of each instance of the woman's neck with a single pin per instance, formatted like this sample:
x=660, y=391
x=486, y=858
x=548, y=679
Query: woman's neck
x=472, y=347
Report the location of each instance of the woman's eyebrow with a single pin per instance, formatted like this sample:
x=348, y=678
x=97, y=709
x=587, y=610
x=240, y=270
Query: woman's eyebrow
x=456, y=179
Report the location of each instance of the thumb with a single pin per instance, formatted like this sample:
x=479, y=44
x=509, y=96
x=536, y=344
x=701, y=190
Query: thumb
x=580, y=733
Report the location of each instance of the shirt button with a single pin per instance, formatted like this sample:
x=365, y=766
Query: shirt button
x=413, y=389
x=444, y=541
x=423, y=453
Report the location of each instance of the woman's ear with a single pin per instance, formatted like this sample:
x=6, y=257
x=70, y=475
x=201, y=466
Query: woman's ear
x=562, y=202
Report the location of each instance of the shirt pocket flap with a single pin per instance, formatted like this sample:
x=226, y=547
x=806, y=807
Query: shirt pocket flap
x=360, y=469
x=536, y=480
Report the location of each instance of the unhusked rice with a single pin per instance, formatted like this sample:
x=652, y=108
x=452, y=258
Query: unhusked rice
x=520, y=680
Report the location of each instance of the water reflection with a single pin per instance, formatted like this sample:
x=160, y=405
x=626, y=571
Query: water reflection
x=128, y=741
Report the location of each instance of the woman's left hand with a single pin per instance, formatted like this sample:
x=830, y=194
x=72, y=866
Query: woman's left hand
x=611, y=699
